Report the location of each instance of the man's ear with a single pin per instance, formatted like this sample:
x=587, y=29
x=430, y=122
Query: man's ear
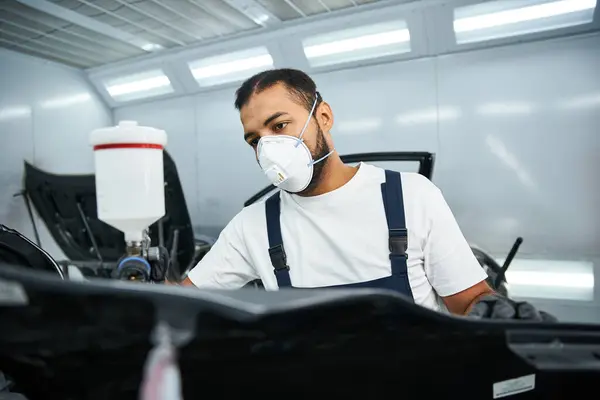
x=325, y=116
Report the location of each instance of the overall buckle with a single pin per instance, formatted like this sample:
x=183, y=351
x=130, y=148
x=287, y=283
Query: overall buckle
x=398, y=242
x=278, y=257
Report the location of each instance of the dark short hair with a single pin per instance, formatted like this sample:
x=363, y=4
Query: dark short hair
x=302, y=88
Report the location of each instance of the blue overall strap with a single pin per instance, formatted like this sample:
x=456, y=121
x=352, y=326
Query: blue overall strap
x=276, y=250
x=393, y=203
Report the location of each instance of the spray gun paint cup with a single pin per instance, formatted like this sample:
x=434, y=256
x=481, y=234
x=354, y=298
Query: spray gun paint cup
x=129, y=177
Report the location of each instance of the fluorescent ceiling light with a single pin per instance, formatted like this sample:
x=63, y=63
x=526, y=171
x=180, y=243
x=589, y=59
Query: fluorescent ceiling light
x=152, y=47
x=139, y=86
x=260, y=19
x=231, y=67
x=372, y=41
x=358, y=43
x=507, y=18
x=550, y=279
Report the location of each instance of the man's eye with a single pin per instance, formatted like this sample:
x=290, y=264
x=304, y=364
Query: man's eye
x=254, y=142
x=279, y=126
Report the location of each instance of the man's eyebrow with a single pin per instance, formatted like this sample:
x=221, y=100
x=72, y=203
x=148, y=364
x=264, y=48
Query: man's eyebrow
x=267, y=121
x=273, y=117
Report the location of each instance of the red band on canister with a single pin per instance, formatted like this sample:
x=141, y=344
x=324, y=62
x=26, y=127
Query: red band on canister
x=128, y=146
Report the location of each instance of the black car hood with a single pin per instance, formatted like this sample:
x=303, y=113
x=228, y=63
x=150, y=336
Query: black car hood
x=89, y=340
x=59, y=198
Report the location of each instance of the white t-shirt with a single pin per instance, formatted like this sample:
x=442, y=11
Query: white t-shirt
x=341, y=237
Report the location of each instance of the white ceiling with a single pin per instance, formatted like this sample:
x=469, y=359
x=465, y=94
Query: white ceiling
x=91, y=33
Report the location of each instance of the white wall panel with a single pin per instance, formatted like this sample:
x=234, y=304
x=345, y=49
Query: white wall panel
x=16, y=128
x=62, y=122
x=523, y=157
x=46, y=114
x=227, y=169
x=387, y=107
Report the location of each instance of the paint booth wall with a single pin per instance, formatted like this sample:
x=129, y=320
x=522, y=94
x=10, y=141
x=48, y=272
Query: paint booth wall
x=515, y=131
x=47, y=111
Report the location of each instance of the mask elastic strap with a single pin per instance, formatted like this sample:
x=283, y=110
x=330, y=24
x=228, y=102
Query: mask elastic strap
x=321, y=159
x=307, y=120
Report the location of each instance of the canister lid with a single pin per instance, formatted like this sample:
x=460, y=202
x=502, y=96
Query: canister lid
x=129, y=132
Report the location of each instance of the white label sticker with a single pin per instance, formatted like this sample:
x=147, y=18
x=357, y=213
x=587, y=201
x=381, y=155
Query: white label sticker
x=514, y=386
x=12, y=294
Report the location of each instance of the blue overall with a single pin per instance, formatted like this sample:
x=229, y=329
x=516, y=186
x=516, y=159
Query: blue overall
x=393, y=203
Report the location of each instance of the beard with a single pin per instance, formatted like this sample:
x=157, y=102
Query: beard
x=321, y=150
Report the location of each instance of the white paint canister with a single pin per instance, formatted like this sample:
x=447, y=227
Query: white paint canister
x=130, y=189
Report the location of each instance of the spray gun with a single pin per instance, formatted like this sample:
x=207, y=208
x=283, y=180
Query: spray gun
x=130, y=194
x=142, y=263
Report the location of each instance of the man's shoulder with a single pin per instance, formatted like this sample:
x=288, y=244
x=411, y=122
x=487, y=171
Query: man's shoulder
x=252, y=213
x=246, y=222
x=416, y=181
x=412, y=180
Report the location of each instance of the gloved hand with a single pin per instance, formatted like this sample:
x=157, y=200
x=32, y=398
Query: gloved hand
x=161, y=268
x=495, y=306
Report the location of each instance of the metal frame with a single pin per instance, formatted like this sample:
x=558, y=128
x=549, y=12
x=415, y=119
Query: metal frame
x=430, y=23
x=426, y=161
x=81, y=20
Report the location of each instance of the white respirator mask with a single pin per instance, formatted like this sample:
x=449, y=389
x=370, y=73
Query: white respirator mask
x=286, y=160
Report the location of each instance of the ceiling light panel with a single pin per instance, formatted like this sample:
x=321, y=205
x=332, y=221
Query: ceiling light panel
x=231, y=67
x=509, y=18
x=361, y=43
x=139, y=86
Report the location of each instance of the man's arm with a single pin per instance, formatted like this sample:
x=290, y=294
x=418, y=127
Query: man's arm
x=186, y=282
x=450, y=265
x=226, y=265
x=462, y=302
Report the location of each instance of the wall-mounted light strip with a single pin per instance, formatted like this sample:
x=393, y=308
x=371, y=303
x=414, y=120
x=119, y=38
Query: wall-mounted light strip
x=551, y=279
x=564, y=279
x=356, y=44
x=231, y=67
x=138, y=86
x=14, y=112
x=506, y=18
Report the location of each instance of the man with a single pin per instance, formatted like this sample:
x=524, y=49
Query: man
x=334, y=224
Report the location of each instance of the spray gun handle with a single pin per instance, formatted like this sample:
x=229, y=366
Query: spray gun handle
x=159, y=261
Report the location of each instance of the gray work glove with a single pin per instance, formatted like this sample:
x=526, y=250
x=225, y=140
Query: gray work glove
x=5, y=386
x=495, y=306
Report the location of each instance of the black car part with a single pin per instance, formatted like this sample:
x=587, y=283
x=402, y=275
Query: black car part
x=90, y=340
x=67, y=205
x=496, y=273
x=16, y=249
